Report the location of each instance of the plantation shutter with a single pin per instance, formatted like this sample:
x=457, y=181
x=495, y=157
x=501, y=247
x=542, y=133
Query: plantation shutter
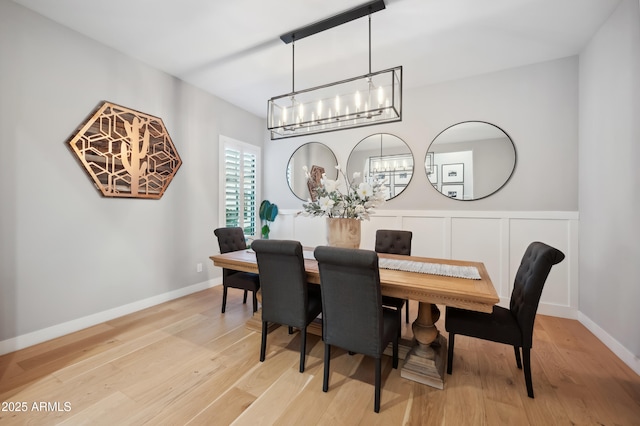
x=240, y=185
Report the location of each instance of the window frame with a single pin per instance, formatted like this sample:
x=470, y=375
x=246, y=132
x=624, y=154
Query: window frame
x=225, y=143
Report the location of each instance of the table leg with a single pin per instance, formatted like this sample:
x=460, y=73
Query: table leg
x=426, y=360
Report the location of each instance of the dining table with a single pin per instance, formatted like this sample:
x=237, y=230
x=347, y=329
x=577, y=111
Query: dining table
x=430, y=281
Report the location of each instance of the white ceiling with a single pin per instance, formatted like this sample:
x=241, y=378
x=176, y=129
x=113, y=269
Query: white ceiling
x=232, y=48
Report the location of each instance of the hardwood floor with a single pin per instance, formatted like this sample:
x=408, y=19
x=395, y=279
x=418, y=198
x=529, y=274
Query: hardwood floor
x=183, y=362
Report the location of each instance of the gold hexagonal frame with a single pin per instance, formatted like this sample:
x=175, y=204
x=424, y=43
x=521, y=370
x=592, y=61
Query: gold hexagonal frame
x=125, y=152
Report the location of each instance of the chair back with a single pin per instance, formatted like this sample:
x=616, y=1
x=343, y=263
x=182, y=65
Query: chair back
x=529, y=282
x=351, y=300
x=283, y=281
x=230, y=239
x=393, y=241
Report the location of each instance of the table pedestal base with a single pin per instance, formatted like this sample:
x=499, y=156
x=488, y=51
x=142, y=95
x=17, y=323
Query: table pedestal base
x=426, y=364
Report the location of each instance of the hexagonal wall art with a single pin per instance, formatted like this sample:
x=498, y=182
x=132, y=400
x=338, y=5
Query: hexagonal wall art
x=125, y=152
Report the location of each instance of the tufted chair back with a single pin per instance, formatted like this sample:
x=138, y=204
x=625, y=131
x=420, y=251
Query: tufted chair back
x=230, y=239
x=393, y=241
x=527, y=287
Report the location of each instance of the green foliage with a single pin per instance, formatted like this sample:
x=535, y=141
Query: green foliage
x=268, y=213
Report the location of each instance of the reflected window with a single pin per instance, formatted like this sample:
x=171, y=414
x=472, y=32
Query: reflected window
x=385, y=157
x=470, y=160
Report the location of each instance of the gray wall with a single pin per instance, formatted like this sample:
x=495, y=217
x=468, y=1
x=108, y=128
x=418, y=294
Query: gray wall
x=66, y=252
x=610, y=178
x=536, y=105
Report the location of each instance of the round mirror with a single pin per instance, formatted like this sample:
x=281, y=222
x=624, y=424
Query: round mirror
x=383, y=157
x=318, y=159
x=470, y=160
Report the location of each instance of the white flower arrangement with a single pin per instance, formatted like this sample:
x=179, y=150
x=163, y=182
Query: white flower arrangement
x=357, y=202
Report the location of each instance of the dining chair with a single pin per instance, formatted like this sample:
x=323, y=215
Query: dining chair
x=394, y=242
x=513, y=326
x=353, y=317
x=287, y=298
x=232, y=239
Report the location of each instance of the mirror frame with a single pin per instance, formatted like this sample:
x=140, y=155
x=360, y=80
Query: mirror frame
x=328, y=172
x=413, y=160
x=513, y=169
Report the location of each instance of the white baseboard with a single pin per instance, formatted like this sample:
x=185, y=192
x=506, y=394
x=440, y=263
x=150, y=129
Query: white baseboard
x=39, y=336
x=549, y=309
x=557, y=311
x=616, y=347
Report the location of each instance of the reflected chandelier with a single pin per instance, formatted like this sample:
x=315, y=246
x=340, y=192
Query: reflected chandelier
x=373, y=98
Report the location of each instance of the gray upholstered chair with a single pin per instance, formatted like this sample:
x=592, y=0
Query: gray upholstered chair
x=394, y=242
x=232, y=239
x=513, y=326
x=287, y=298
x=353, y=317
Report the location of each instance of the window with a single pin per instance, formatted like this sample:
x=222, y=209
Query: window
x=239, y=184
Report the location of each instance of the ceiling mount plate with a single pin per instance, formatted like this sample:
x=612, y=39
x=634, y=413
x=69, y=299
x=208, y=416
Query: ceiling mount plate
x=334, y=21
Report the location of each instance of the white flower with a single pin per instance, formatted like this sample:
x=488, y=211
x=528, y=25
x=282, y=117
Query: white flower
x=355, y=202
x=326, y=203
x=365, y=190
x=330, y=185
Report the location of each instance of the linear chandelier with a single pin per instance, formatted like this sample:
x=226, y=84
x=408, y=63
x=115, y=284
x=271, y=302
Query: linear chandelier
x=369, y=99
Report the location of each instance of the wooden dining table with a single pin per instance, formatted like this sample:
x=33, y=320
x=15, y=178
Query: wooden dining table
x=426, y=358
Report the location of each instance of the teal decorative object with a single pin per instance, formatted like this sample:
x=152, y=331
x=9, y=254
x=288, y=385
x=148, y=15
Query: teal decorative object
x=267, y=213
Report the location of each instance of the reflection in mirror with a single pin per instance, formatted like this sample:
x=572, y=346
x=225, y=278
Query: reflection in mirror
x=318, y=158
x=383, y=157
x=470, y=160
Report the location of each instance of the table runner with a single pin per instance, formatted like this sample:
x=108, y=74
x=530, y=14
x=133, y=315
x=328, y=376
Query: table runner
x=468, y=272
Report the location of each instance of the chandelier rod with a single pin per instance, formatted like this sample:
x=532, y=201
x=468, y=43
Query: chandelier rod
x=369, y=43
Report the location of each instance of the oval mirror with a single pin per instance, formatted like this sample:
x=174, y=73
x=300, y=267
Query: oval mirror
x=470, y=160
x=319, y=159
x=384, y=157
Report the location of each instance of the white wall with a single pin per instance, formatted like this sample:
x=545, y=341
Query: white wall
x=69, y=257
x=536, y=105
x=610, y=182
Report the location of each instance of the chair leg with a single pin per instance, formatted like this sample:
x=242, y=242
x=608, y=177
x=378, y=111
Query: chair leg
x=406, y=313
x=450, y=353
x=263, y=345
x=395, y=353
x=290, y=330
x=517, y=352
x=376, y=404
x=303, y=348
x=526, y=357
x=244, y=299
x=400, y=322
x=327, y=359
x=255, y=302
x=224, y=299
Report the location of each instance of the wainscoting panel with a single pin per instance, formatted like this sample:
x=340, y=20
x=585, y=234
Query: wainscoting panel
x=498, y=239
x=555, y=233
x=479, y=240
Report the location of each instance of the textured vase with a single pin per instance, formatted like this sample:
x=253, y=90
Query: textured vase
x=343, y=232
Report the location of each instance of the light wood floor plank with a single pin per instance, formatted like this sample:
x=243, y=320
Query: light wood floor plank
x=183, y=362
